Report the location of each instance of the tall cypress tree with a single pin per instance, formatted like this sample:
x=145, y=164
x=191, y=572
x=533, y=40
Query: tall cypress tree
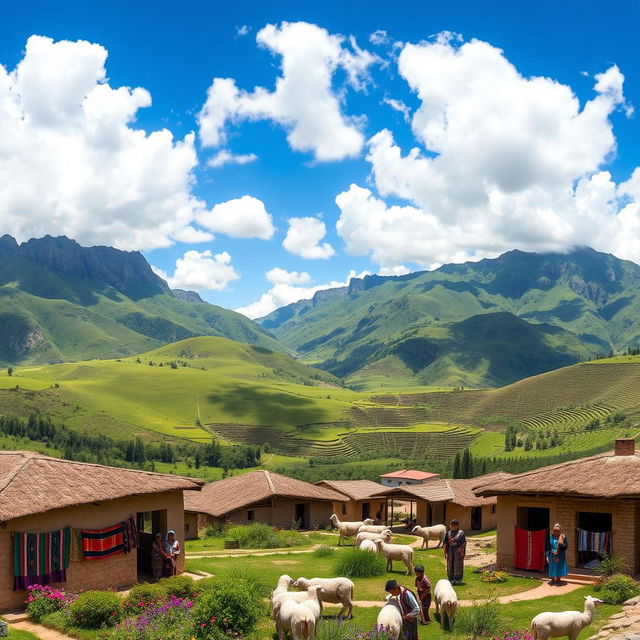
x=467, y=464
x=457, y=466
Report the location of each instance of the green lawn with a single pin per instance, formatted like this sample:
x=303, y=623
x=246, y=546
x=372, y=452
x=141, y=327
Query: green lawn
x=216, y=545
x=18, y=634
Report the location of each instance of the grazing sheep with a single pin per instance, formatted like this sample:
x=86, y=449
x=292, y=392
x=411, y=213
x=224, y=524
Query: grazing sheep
x=368, y=545
x=314, y=600
x=365, y=535
x=391, y=552
x=347, y=529
x=284, y=582
x=446, y=602
x=335, y=590
x=296, y=619
x=279, y=598
x=372, y=528
x=436, y=532
x=564, y=623
x=390, y=617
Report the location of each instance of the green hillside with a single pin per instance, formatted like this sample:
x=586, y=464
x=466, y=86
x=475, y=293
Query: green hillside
x=458, y=325
x=62, y=302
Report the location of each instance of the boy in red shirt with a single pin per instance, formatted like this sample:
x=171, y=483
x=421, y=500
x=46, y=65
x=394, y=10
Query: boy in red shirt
x=424, y=593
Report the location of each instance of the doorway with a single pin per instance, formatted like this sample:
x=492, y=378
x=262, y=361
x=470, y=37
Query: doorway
x=148, y=523
x=302, y=515
x=476, y=518
x=533, y=518
x=595, y=537
x=366, y=510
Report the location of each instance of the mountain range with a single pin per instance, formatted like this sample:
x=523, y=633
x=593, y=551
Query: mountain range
x=60, y=301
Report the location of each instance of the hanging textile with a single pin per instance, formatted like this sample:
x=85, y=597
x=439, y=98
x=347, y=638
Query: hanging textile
x=102, y=543
x=131, y=539
x=77, y=552
x=40, y=558
x=595, y=541
x=529, y=549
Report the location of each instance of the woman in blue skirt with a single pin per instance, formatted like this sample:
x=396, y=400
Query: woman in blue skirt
x=557, y=554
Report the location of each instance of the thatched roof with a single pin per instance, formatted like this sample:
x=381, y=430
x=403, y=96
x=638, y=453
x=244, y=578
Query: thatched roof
x=31, y=483
x=354, y=489
x=457, y=491
x=602, y=476
x=236, y=492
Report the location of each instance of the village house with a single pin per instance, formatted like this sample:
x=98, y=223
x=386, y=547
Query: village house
x=596, y=500
x=260, y=496
x=405, y=477
x=441, y=500
x=49, y=509
x=361, y=502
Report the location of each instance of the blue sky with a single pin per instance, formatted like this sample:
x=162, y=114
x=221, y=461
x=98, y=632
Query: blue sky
x=472, y=188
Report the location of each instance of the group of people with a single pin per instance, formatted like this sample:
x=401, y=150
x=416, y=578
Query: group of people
x=164, y=555
x=416, y=609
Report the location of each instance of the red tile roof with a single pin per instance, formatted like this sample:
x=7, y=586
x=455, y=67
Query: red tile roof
x=410, y=474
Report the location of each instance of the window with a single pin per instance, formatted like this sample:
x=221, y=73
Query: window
x=251, y=515
x=493, y=508
x=344, y=509
x=186, y=527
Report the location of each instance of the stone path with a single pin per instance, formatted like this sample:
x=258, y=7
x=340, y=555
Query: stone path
x=624, y=625
x=19, y=621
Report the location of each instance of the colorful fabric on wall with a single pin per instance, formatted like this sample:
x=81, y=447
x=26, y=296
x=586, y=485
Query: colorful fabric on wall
x=40, y=558
x=77, y=552
x=529, y=549
x=596, y=541
x=102, y=543
x=131, y=539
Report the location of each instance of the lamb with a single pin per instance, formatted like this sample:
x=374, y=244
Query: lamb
x=365, y=535
x=334, y=590
x=296, y=619
x=284, y=582
x=564, y=623
x=436, y=532
x=347, y=529
x=279, y=598
x=391, y=552
x=446, y=602
x=372, y=528
x=368, y=545
x=390, y=617
x=314, y=600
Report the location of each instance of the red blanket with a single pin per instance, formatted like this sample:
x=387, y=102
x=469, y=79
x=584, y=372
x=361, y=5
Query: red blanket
x=529, y=549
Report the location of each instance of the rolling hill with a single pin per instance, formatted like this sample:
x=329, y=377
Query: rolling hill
x=62, y=302
x=485, y=323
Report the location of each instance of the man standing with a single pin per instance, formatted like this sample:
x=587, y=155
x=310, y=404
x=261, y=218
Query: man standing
x=455, y=547
x=409, y=608
x=424, y=592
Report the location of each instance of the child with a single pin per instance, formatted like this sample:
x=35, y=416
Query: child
x=424, y=592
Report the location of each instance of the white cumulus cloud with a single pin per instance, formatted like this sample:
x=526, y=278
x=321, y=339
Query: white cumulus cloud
x=73, y=162
x=201, y=271
x=244, y=217
x=502, y=161
x=304, y=238
x=304, y=101
x=224, y=157
x=288, y=287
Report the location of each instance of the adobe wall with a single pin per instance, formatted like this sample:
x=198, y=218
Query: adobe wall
x=352, y=511
x=463, y=515
x=115, y=572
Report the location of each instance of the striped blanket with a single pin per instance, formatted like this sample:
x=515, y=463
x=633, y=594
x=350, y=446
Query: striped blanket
x=130, y=535
x=40, y=558
x=102, y=543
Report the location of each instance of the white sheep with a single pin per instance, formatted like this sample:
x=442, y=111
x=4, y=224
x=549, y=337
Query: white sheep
x=391, y=552
x=436, y=532
x=446, y=601
x=347, y=529
x=314, y=600
x=334, y=590
x=284, y=582
x=564, y=623
x=390, y=617
x=368, y=545
x=296, y=619
x=365, y=535
x=372, y=528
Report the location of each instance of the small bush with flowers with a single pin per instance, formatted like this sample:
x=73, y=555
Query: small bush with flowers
x=510, y=635
x=43, y=600
x=144, y=595
x=96, y=609
x=493, y=577
x=347, y=630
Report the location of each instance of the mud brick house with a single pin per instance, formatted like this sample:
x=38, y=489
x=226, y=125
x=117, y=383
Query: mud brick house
x=361, y=501
x=596, y=500
x=260, y=496
x=47, y=505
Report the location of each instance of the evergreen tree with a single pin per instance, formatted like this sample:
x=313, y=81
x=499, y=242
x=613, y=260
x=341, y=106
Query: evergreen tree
x=467, y=464
x=457, y=466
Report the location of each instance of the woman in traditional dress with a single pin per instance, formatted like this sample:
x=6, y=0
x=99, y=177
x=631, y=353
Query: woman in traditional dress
x=172, y=549
x=158, y=556
x=557, y=554
x=455, y=547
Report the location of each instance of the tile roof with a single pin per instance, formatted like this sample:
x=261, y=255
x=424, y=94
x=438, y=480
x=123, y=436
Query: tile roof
x=31, y=483
x=354, y=489
x=410, y=474
x=224, y=496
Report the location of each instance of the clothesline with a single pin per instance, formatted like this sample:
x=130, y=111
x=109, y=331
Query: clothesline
x=595, y=541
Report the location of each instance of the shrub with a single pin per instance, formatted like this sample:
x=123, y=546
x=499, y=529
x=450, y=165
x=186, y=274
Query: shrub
x=355, y=563
x=159, y=622
x=610, y=564
x=324, y=552
x=481, y=619
x=340, y=630
x=43, y=600
x=254, y=536
x=178, y=586
x=493, y=577
x=95, y=609
x=512, y=635
x=232, y=605
x=213, y=530
x=144, y=595
x=291, y=538
x=60, y=620
x=618, y=588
